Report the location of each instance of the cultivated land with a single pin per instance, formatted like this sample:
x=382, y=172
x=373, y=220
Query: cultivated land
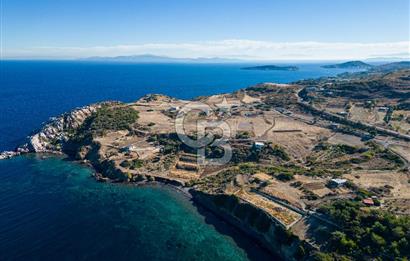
x=304, y=156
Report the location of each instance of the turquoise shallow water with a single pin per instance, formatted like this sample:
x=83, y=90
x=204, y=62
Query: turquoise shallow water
x=51, y=209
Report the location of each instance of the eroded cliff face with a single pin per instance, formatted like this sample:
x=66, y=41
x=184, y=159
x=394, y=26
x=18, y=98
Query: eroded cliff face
x=256, y=223
x=57, y=131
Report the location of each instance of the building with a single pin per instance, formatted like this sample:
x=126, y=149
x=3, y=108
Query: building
x=174, y=109
x=334, y=126
x=383, y=109
x=337, y=183
x=368, y=202
x=343, y=113
x=129, y=148
x=258, y=145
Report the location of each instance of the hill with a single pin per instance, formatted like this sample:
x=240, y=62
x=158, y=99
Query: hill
x=392, y=66
x=349, y=65
x=149, y=58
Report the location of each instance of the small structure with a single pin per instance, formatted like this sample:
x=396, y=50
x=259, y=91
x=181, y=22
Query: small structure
x=343, y=113
x=334, y=126
x=337, y=183
x=129, y=148
x=258, y=145
x=174, y=109
x=368, y=201
x=249, y=114
x=383, y=109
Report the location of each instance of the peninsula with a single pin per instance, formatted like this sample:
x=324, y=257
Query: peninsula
x=349, y=65
x=318, y=169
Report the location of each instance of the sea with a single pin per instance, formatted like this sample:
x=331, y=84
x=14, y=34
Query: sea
x=52, y=208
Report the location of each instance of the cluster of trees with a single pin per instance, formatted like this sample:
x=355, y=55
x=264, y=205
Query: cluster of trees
x=109, y=118
x=357, y=155
x=367, y=234
x=252, y=154
x=242, y=135
x=132, y=164
x=171, y=143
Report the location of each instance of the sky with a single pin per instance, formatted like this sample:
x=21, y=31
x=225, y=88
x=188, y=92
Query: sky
x=252, y=29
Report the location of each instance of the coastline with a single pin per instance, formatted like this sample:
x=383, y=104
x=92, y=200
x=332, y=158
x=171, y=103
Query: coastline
x=252, y=247
x=52, y=139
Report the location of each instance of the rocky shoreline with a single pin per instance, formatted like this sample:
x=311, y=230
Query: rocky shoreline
x=57, y=131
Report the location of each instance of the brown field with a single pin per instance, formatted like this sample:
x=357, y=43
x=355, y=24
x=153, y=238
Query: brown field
x=284, y=215
x=285, y=192
x=398, y=180
x=297, y=144
x=373, y=116
x=339, y=138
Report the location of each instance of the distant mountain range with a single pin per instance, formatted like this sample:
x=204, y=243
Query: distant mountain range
x=392, y=66
x=272, y=68
x=349, y=65
x=149, y=58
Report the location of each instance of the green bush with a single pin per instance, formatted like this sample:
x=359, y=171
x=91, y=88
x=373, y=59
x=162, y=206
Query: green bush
x=367, y=234
x=242, y=135
x=108, y=118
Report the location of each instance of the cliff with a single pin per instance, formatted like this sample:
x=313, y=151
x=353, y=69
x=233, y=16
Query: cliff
x=256, y=223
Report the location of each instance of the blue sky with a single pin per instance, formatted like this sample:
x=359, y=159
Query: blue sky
x=189, y=28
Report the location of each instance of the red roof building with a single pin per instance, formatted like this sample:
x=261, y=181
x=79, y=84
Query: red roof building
x=368, y=202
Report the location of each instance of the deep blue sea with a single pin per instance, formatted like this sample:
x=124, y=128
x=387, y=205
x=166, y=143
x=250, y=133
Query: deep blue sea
x=51, y=209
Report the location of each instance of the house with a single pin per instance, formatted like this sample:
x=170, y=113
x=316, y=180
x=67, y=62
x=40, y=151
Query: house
x=129, y=148
x=258, y=145
x=368, y=202
x=334, y=126
x=337, y=183
x=343, y=113
x=174, y=109
x=383, y=109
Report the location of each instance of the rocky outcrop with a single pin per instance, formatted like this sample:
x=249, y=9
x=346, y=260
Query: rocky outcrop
x=54, y=133
x=57, y=130
x=8, y=154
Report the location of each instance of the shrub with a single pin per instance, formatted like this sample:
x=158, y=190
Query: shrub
x=108, y=118
x=242, y=135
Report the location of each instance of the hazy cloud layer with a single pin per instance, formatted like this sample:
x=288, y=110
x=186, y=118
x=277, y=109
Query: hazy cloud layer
x=244, y=49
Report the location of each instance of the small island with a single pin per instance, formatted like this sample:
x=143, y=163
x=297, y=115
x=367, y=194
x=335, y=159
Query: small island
x=349, y=65
x=271, y=68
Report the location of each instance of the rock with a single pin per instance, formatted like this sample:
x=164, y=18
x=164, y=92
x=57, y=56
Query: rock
x=8, y=154
x=56, y=131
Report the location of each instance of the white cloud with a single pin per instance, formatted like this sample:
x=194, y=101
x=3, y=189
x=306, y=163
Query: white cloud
x=246, y=49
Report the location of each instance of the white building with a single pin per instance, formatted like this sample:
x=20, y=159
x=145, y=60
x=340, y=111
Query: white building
x=258, y=145
x=337, y=182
